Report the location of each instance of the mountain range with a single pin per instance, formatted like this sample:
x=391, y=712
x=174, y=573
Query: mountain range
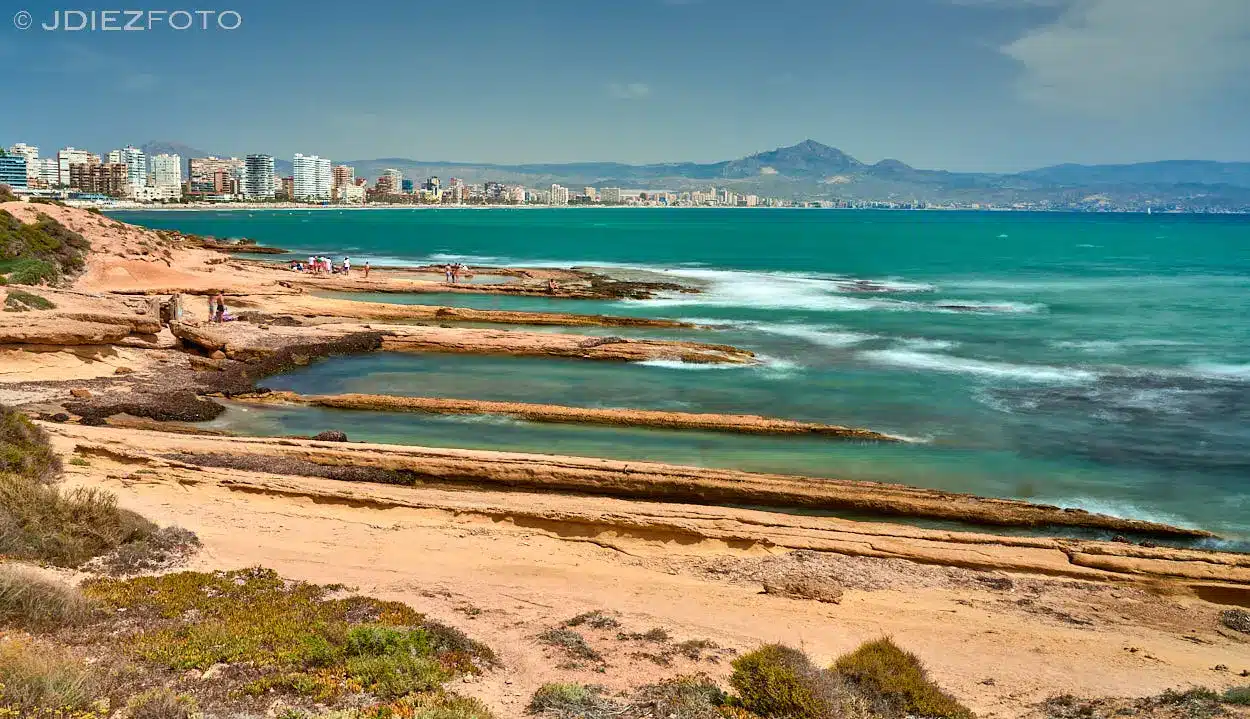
x=812, y=170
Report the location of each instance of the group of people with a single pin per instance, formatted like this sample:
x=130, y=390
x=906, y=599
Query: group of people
x=452, y=272
x=319, y=265
x=217, y=309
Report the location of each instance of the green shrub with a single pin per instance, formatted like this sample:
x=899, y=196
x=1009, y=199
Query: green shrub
x=6, y=192
x=44, y=250
x=894, y=682
x=32, y=272
x=38, y=680
x=24, y=448
x=23, y=301
x=160, y=704
x=1238, y=695
x=776, y=680
x=31, y=601
x=395, y=675
x=572, y=701
x=374, y=640
x=596, y=619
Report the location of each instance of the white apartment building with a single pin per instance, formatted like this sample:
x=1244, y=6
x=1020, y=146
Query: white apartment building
x=114, y=157
x=72, y=156
x=314, y=177
x=610, y=195
x=49, y=171
x=158, y=193
x=31, y=153
x=167, y=171
x=258, y=174
x=559, y=195
x=136, y=162
x=394, y=180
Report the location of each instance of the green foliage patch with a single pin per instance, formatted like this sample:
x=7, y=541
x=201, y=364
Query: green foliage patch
x=43, y=251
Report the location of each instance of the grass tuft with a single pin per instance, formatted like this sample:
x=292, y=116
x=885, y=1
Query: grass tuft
x=23, y=301
x=160, y=704
x=39, y=680
x=597, y=619
x=33, y=602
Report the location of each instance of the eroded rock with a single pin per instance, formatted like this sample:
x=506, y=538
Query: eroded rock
x=815, y=589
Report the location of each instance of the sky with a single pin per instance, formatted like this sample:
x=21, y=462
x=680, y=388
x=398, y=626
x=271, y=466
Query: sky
x=969, y=85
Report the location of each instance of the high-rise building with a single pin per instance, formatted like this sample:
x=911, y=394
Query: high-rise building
x=344, y=175
x=111, y=178
x=216, y=176
x=433, y=184
x=166, y=171
x=610, y=195
x=72, y=156
x=391, y=182
x=258, y=173
x=592, y=195
x=314, y=178
x=49, y=172
x=114, y=157
x=559, y=195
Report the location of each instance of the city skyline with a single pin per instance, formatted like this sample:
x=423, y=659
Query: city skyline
x=984, y=85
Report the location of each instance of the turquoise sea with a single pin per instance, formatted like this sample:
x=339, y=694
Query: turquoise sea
x=1095, y=361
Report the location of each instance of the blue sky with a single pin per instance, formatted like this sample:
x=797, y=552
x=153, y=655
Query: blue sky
x=954, y=84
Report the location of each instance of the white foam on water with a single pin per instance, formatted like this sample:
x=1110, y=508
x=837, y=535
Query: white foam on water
x=1116, y=508
x=678, y=364
x=978, y=306
x=1115, y=346
x=921, y=344
x=961, y=365
x=1215, y=370
x=827, y=337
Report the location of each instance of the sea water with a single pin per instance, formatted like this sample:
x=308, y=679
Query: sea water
x=1088, y=360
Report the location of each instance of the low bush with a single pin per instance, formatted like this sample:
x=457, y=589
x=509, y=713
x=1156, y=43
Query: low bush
x=776, y=680
x=681, y=698
x=32, y=272
x=160, y=704
x=391, y=676
x=596, y=619
x=33, y=602
x=572, y=701
x=571, y=643
x=894, y=682
x=41, y=681
x=160, y=549
x=24, y=448
x=23, y=301
x=431, y=705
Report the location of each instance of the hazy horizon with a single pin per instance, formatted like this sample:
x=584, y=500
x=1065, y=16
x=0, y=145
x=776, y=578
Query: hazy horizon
x=962, y=85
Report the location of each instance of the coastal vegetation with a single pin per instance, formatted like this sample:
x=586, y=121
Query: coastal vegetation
x=44, y=251
x=23, y=301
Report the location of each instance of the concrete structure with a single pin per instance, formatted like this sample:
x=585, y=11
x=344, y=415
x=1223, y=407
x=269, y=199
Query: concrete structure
x=258, y=173
x=72, y=156
x=49, y=172
x=391, y=182
x=167, y=171
x=610, y=195
x=314, y=179
x=159, y=193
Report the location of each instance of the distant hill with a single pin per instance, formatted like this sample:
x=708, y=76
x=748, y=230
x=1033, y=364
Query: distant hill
x=812, y=170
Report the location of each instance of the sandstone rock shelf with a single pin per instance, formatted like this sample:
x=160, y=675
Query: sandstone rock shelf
x=745, y=424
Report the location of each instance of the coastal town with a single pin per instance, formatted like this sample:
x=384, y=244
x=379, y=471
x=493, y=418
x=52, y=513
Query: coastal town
x=129, y=177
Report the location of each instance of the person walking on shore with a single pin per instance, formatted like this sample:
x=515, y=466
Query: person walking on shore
x=366, y=269
x=448, y=277
x=347, y=265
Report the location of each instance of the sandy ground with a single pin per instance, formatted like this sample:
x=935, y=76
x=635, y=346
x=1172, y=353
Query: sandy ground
x=999, y=650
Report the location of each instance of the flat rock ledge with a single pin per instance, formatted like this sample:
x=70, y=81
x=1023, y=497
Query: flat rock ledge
x=744, y=424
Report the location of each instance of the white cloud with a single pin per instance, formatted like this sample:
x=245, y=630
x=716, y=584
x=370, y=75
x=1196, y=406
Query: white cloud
x=629, y=91
x=1118, y=56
